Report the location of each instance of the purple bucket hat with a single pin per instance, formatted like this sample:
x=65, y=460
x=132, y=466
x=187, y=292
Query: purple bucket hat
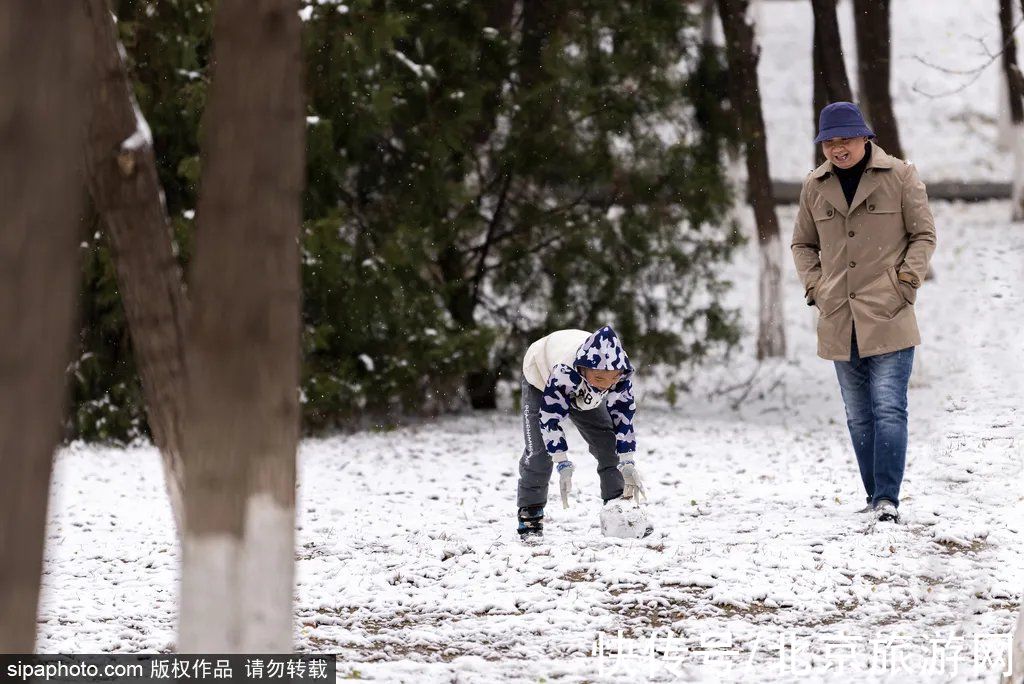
x=841, y=120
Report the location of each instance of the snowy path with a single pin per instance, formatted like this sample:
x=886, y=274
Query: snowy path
x=410, y=568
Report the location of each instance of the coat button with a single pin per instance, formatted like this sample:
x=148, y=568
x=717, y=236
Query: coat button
x=853, y=295
x=829, y=213
x=851, y=233
x=853, y=264
x=871, y=207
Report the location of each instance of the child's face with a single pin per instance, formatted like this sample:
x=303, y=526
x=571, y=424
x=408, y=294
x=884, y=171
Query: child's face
x=601, y=379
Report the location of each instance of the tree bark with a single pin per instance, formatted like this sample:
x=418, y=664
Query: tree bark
x=707, y=22
x=829, y=51
x=1011, y=68
x=243, y=353
x=123, y=182
x=831, y=84
x=820, y=92
x=1015, y=94
x=742, y=56
x=874, y=58
x=41, y=121
x=1016, y=654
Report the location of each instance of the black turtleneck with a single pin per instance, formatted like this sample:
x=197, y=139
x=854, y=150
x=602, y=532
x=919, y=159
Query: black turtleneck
x=850, y=178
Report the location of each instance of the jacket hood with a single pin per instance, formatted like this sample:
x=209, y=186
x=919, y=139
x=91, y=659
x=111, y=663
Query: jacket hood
x=603, y=351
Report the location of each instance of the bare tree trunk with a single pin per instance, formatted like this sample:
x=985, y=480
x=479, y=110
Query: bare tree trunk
x=1004, y=140
x=243, y=353
x=820, y=92
x=41, y=122
x=126, y=190
x=742, y=55
x=1016, y=654
x=707, y=22
x=874, y=50
x=831, y=84
x=829, y=46
x=710, y=40
x=1015, y=93
x=1011, y=69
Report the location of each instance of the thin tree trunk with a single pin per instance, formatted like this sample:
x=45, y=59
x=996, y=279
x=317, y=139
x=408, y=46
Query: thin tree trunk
x=1004, y=129
x=243, y=354
x=1017, y=195
x=820, y=92
x=1011, y=68
x=874, y=50
x=41, y=121
x=831, y=84
x=707, y=22
x=123, y=181
x=709, y=42
x=830, y=54
x=742, y=55
x=1015, y=94
x=1016, y=654
x=1016, y=675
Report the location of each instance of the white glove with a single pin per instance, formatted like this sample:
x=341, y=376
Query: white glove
x=633, y=485
x=565, y=471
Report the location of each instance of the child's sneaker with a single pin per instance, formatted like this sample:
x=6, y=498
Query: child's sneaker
x=531, y=523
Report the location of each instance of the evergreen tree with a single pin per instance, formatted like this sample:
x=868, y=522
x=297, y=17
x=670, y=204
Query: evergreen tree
x=509, y=175
x=478, y=174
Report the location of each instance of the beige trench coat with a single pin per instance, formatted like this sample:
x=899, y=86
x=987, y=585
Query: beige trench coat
x=861, y=264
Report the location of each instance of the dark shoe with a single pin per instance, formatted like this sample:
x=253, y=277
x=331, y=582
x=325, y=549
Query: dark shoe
x=867, y=509
x=531, y=522
x=885, y=511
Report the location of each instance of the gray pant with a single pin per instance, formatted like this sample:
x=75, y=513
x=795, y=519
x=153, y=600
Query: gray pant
x=535, y=466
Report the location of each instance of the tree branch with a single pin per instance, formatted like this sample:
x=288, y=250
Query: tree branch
x=492, y=226
x=975, y=72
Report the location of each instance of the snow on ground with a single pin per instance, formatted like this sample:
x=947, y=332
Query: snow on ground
x=949, y=135
x=409, y=566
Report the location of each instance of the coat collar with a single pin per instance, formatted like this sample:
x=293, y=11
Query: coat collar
x=832, y=191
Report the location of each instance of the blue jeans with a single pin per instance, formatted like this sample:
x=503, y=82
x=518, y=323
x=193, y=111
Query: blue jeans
x=875, y=393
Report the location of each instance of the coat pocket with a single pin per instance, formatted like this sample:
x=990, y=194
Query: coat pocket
x=909, y=292
x=882, y=297
x=828, y=296
x=894, y=280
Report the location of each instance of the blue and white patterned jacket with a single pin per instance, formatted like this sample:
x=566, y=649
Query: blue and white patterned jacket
x=566, y=386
